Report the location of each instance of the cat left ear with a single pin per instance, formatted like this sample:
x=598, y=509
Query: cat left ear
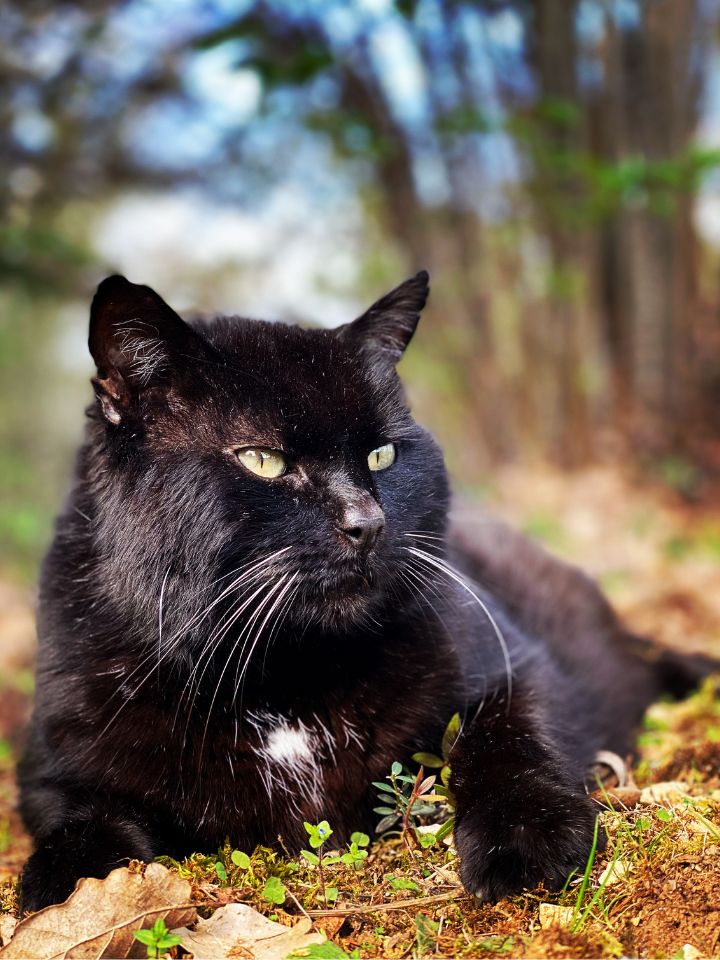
x=387, y=327
x=137, y=341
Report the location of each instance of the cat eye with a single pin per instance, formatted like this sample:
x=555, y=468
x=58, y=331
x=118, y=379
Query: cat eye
x=264, y=463
x=382, y=457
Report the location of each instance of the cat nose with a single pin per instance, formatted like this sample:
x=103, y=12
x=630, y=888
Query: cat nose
x=362, y=524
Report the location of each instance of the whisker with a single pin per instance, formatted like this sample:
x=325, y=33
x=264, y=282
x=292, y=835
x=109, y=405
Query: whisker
x=444, y=567
x=246, y=629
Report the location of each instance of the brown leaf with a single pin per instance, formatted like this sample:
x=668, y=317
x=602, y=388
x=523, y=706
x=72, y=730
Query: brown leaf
x=100, y=917
x=239, y=931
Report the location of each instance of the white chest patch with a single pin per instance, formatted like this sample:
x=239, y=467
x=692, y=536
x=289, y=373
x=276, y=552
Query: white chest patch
x=286, y=744
x=291, y=758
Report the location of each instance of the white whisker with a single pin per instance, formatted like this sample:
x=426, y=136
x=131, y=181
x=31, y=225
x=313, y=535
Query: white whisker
x=444, y=567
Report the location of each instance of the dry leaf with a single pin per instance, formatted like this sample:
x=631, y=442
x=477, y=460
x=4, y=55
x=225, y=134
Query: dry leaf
x=7, y=928
x=671, y=792
x=100, y=917
x=552, y=915
x=329, y=925
x=239, y=931
x=614, y=872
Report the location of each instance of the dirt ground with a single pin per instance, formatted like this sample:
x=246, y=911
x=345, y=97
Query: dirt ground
x=659, y=559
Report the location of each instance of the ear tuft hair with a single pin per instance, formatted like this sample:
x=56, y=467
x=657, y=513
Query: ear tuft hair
x=137, y=341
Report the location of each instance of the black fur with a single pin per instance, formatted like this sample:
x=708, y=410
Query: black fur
x=164, y=711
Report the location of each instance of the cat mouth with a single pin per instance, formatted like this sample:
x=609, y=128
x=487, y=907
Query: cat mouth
x=339, y=597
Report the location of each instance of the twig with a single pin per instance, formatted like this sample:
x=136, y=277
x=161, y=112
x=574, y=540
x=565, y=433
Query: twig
x=300, y=906
x=395, y=905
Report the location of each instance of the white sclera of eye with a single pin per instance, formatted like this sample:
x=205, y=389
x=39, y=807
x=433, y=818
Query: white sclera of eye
x=382, y=457
x=264, y=463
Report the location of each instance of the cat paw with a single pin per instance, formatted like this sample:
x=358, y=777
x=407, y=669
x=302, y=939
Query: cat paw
x=501, y=856
x=42, y=884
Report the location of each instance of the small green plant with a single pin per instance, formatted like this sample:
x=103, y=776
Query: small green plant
x=240, y=859
x=416, y=796
x=318, y=834
x=426, y=931
x=403, y=883
x=409, y=796
x=157, y=939
x=356, y=851
x=326, y=951
x=274, y=890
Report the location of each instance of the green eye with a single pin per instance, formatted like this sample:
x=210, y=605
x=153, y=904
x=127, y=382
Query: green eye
x=264, y=463
x=382, y=457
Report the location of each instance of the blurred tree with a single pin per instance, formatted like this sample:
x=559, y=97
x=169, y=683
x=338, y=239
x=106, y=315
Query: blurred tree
x=538, y=155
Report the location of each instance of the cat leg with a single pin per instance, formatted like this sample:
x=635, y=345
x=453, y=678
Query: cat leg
x=90, y=842
x=523, y=816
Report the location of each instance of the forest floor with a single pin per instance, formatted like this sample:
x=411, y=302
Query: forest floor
x=654, y=891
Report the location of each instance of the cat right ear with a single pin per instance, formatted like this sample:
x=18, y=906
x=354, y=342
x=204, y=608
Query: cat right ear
x=385, y=330
x=135, y=337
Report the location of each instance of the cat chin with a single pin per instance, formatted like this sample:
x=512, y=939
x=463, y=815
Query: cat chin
x=338, y=614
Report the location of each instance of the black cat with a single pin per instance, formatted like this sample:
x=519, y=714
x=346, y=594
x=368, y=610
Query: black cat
x=248, y=612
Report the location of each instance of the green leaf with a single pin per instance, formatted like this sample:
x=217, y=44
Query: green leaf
x=361, y=839
x=274, y=890
x=331, y=894
x=445, y=829
x=323, y=951
x=167, y=942
x=427, y=840
x=145, y=936
x=386, y=823
x=385, y=810
x=383, y=786
x=396, y=769
x=221, y=871
x=310, y=857
x=428, y=760
x=452, y=732
x=402, y=883
x=240, y=859
x=665, y=815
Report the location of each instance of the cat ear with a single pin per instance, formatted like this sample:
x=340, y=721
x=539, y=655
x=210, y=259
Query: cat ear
x=135, y=337
x=387, y=327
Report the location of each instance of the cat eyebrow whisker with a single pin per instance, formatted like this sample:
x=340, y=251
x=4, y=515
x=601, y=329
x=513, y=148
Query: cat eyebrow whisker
x=444, y=567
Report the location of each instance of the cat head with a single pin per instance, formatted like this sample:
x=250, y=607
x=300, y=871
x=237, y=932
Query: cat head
x=281, y=463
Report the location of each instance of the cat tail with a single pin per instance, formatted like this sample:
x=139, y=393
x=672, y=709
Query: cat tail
x=678, y=674
x=682, y=673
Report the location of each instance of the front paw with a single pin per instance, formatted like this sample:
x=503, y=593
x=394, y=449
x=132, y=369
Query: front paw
x=508, y=847
x=43, y=883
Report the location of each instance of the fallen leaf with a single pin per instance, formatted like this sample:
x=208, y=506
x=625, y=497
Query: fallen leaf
x=690, y=952
x=613, y=873
x=329, y=925
x=239, y=931
x=552, y=915
x=7, y=928
x=617, y=797
x=670, y=792
x=99, y=918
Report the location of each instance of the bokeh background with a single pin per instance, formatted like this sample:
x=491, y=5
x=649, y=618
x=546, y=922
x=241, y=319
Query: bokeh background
x=554, y=163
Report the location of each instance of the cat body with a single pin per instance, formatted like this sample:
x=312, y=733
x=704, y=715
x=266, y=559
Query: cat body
x=253, y=606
